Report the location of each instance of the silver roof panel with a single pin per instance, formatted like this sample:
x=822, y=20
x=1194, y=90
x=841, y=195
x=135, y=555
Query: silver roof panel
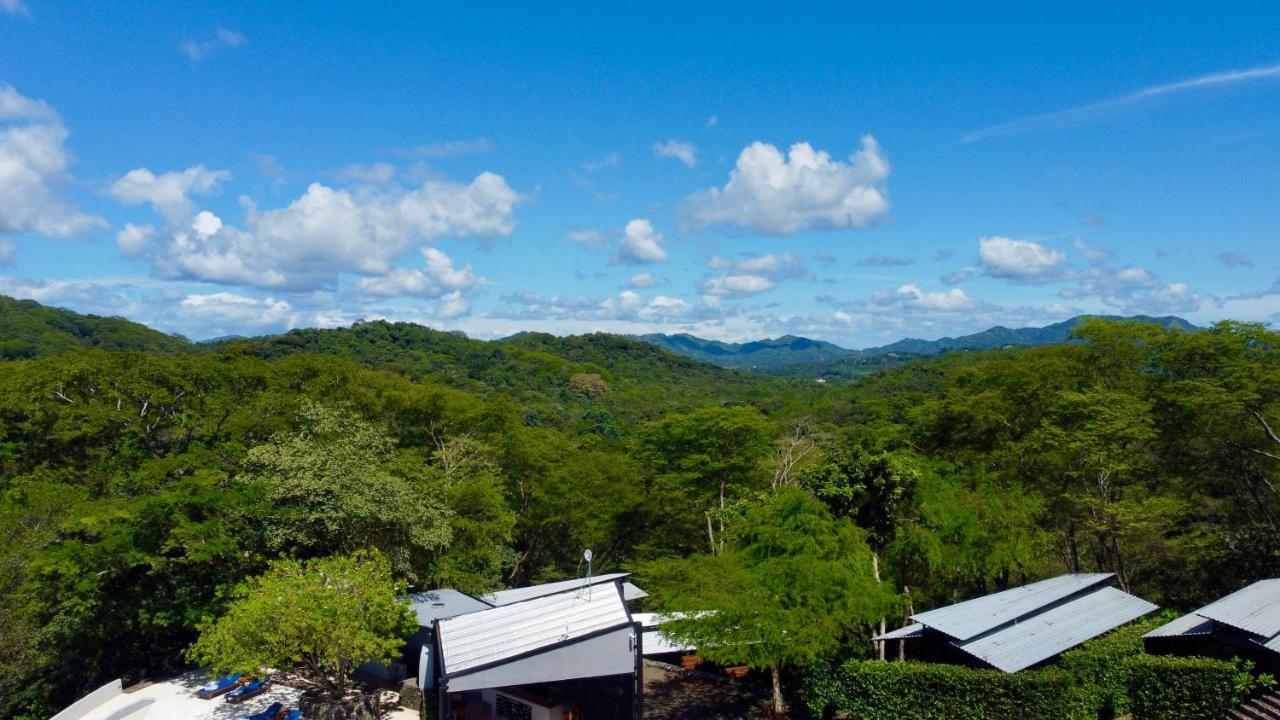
x=1057, y=629
x=909, y=631
x=1254, y=609
x=506, y=597
x=480, y=638
x=1189, y=624
x=968, y=619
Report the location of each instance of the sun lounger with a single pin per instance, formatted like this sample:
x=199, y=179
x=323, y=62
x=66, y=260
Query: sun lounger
x=253, y=688
x=224, y=684
x=268, y=714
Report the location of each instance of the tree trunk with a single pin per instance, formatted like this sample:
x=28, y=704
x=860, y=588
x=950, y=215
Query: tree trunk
x=721, y=514
x=875, y=568
x=778, y=707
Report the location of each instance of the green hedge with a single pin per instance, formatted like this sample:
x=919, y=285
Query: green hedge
x=1101, y=665
x=874, y=690
x=1179, y=688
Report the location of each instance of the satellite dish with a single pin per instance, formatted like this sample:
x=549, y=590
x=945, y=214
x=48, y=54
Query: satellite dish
x=586, y=555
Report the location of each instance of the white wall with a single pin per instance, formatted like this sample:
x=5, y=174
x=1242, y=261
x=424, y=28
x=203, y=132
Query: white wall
x=81, y=707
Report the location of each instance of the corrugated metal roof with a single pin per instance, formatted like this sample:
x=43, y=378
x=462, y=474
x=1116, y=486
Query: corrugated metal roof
x=631, y=592
x=432, y=605
x=655, y=643
x=1057, y=629
x=971, y=618
x=506, y=597
x=479, y=638
x=1189, y=624
x=909, y=631
x=1273, y=644
x=1254, y=609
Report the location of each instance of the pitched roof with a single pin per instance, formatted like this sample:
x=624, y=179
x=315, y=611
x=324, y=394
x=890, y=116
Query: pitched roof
x=1021, y=627
x=482, y=638
x=432, y=605
x=506, y=597
x=1254, y=609
x=968, y=619
x=1189, y=624
x=1059, y=628
x=910, y=631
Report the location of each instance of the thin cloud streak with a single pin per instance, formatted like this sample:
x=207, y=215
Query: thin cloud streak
x=1087, y=113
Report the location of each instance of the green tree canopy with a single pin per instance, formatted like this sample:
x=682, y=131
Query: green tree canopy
x=332, y=484
x=324, y=617
x=793, y=581
x=697, y=460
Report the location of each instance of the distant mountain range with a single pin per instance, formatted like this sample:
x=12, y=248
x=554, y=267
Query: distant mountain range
x=791, y=350
x=786, y=350
x=29, y=329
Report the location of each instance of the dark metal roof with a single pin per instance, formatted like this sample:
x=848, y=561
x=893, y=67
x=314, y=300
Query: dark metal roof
x=432, y=605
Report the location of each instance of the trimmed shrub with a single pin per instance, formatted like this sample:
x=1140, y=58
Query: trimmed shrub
x=1163, y=687
x=876, y=690
x=1101, y=666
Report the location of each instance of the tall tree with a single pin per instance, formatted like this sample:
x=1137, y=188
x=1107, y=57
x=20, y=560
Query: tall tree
x=333, y=490
x=322, y=617
x=790, y=583
x=698, y=459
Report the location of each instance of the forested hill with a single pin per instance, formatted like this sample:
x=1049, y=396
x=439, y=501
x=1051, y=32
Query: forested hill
x=139, y=487
x=793, y=356
x=28, y=329
x=760, y=354
x=1000, y=336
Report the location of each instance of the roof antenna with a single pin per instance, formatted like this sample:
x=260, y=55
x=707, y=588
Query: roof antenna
x=586, y=555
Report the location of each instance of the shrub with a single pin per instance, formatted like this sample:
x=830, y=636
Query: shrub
x=1100, y=665
x=875, y=690
x=1181, y=688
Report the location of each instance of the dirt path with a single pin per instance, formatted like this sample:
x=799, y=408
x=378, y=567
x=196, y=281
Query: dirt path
x=671, y=693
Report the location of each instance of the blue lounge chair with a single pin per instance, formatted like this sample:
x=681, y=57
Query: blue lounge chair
x=295, y=715
x=224, y=684
x=253, y=688
x=268, y=714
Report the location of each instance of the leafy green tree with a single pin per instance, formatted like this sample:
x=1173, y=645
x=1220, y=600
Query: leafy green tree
x=790, y=584
x=697, y=459
x=466, y=476
x=332, y=486
x=324, y=617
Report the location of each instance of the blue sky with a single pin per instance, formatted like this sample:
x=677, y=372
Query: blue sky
x=856, y=174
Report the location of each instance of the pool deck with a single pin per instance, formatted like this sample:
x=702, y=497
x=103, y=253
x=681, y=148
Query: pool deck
x=175, y=699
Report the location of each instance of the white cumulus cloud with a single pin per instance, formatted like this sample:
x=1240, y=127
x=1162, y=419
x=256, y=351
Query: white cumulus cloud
x=740, y=285
x=169, y=193
x=773, y=194
x=437, y=278
x=641, y=243
x=33, y=164
x=1021, y=260
x=309, y=242
x=911, y=297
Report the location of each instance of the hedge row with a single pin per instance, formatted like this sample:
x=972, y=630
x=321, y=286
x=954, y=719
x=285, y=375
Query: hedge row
x=1181, y=688
x=874, y=690
x=1087, y=686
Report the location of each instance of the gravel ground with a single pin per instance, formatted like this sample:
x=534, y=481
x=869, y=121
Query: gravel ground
x=672, y=693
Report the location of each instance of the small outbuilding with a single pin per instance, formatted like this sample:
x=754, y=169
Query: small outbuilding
x=1022, y=627
x=1245, y=624
x=575, y=653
